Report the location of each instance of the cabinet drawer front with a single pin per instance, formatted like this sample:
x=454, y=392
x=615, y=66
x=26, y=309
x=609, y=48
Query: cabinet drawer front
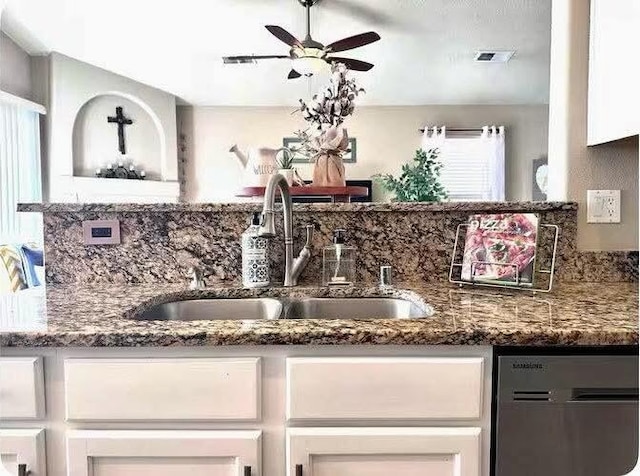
x=163, y=452
x=162, y=389
x=432, y=451
x=384, y=388
x=21, y=388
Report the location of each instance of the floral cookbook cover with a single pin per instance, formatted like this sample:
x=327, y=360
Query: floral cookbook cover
x=501, y=248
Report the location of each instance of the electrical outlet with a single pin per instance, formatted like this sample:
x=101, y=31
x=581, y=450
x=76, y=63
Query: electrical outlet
x=603, y=206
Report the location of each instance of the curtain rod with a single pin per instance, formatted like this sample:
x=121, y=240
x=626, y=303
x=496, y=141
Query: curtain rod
x=457, y=129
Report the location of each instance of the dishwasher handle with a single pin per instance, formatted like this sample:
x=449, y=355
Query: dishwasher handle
x=604, y=395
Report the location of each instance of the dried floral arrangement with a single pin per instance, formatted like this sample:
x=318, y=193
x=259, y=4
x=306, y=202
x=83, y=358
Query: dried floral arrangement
x=327, y=109
x=333, y=104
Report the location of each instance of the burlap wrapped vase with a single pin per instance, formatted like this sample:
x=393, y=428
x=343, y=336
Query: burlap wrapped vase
x=329, y=168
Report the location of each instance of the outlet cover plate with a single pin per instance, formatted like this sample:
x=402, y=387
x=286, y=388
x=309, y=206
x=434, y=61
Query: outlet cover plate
x=101, y=232
x=603, y=206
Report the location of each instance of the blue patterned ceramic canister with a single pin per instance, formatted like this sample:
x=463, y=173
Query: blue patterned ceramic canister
x=255, y=260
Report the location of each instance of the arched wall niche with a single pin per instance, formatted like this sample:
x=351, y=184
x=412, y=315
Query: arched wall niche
x=95, y=140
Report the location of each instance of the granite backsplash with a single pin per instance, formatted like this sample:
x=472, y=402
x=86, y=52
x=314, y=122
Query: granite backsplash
x=160, y=242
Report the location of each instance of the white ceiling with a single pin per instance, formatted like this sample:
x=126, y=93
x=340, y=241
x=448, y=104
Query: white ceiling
x=425, y=55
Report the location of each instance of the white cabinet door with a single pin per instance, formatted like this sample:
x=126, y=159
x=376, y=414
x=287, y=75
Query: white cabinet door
x=383, y=451
x=614, y=70
x=21, y=388
x=163, y=453
x=22, y=447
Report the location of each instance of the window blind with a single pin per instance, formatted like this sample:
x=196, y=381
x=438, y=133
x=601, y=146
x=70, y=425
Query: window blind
x=469, y=170
x=20, y=179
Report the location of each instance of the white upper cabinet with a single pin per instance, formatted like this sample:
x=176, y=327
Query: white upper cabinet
x=383, y=451
x=163, y=453
x=614, y=70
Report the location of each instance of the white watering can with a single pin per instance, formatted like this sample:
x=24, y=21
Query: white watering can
x=259, y=164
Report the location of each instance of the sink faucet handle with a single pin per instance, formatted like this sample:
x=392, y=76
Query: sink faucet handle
x=305, y=255
x=310, y=228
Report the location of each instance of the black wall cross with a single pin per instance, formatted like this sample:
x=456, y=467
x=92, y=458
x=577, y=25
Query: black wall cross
x=121, y=121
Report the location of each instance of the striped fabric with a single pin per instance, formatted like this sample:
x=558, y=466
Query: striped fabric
x=11, y=265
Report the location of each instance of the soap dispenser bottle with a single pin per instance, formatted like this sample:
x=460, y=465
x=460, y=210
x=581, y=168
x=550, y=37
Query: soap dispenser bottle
x=255, y=259
x=338, y=261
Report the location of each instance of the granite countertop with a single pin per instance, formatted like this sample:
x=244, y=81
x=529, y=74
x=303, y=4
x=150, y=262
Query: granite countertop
x=493, y=207
x=573, y=314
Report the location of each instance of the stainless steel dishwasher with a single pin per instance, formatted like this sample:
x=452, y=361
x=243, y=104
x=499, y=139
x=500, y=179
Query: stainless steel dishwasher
x=570, y=414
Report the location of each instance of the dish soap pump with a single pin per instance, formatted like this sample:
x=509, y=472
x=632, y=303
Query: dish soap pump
x=338, y=261
x=255, y=259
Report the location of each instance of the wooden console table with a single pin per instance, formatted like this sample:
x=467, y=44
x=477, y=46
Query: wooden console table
x=336, y=194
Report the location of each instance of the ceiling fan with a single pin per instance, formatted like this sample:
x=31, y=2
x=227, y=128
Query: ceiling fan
x=308, y=56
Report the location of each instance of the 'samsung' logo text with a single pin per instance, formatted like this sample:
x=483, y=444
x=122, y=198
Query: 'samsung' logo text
x=527, y=366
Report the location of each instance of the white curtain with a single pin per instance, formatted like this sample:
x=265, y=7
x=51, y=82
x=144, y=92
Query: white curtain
x=473, y=165
x=19, y=173
x=493, y=137
x=433, y=138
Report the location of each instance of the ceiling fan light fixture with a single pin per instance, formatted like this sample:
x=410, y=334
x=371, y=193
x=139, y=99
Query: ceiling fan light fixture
x=309, y=65
x=309, y=56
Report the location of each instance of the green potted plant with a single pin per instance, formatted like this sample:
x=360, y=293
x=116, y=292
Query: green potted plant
x=285, y=165
x=418, y=182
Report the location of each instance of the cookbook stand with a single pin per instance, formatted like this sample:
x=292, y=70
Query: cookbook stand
x=455, y=270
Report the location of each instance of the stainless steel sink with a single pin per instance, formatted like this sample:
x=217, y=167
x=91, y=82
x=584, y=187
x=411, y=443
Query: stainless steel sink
x=285, y=308
x=355, y=308
x=214, y=309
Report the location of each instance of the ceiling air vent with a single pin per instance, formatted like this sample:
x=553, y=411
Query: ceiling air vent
x=493, y=56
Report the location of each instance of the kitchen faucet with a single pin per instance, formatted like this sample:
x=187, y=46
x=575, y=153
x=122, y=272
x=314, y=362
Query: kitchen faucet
x=292, y=267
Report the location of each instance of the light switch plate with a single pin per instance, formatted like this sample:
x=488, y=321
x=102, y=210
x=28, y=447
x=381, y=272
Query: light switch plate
x=603, y=206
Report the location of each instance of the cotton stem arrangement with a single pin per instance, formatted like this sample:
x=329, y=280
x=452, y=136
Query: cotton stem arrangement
x=329, y=107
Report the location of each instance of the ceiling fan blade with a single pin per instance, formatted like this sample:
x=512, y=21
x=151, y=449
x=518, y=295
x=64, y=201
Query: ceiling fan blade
x=283, y=35
x=350, y=63
x=250, y=58
x=293, y=74
x=352, y=42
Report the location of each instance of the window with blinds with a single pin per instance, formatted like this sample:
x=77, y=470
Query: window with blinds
x=469, y=169
x=19, y=173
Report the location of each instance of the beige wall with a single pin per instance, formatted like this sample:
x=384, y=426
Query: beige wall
x=15, y=68
x=574, y=167
x=607, y=166
x=387, y=137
